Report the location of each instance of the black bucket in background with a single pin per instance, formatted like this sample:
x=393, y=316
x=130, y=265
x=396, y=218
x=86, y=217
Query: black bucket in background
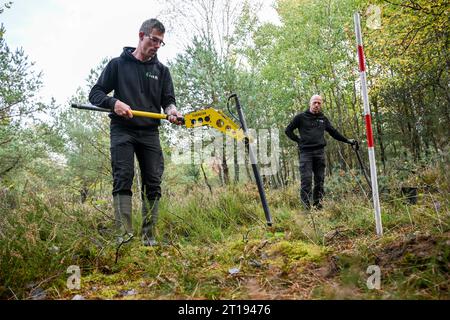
x=410, y=194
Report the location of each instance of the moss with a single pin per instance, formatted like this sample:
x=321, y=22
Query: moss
x=107, y=293
x=297, y=251
x=99, y=278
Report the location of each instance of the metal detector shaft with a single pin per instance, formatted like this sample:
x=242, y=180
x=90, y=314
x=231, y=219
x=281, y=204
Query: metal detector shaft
x=356, y=148
x=89, y=107
x=135, y=113
x=253, y=161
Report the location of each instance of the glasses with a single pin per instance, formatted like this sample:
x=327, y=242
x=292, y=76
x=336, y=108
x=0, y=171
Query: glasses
x=156, y=40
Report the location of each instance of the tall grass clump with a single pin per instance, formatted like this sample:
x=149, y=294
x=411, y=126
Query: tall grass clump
x=41, y=236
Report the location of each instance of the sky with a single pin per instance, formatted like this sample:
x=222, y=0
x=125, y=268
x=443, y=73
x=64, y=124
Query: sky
x=66, y=39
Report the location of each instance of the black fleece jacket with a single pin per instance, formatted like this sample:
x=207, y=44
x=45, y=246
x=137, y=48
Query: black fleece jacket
x=311, y=128
x=144, y=86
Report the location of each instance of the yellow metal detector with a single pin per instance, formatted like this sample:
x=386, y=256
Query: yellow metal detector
x=212, y=118
x=206, y=117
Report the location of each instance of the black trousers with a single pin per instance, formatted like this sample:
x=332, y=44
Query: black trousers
x=125, y=143
x=312, y=162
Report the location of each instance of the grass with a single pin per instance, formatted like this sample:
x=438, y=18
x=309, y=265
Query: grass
x=218, y=247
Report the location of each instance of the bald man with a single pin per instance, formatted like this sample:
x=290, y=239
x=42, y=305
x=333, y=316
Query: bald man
x=312, y=125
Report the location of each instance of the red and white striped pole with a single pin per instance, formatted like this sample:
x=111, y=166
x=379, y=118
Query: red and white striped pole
x=370, y=144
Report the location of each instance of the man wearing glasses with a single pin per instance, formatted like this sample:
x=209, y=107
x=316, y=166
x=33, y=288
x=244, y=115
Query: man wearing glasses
x=139, y=82
x=312, y=125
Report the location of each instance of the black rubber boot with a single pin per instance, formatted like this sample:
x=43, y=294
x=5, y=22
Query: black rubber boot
x=122, y=213
x=150, y=212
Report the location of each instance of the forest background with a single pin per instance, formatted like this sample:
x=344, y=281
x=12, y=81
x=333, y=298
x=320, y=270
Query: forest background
x=55, y=175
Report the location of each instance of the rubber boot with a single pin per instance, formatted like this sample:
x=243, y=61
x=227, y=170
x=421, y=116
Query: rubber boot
x=149, y=219
x=122, y=213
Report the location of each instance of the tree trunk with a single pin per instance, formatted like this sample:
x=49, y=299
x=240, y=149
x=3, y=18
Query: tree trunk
x=236, y=164
x=379, y=132
x=84, y=192
x=226, y=170
x=206, y=178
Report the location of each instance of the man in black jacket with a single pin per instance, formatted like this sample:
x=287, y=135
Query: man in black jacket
x=311, y=125
x=139, y=82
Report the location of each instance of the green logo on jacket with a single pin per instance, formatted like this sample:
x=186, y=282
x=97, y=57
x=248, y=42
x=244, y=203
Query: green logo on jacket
x=151, y=76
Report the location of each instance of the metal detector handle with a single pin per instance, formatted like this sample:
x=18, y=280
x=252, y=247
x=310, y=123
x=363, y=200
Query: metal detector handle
x=356, y=148
x=90, y=107
x=135, y=113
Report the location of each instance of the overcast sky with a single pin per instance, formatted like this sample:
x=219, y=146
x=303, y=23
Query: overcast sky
x=66, y=39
